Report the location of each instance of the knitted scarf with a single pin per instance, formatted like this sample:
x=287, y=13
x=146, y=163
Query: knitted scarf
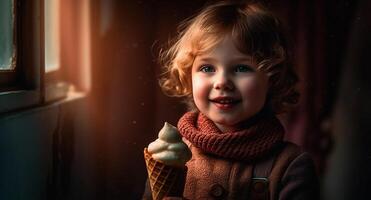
x=253, y=141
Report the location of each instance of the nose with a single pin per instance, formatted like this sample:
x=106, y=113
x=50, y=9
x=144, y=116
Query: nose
x=223, y=82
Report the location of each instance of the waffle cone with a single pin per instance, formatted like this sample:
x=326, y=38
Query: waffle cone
x=164, y=180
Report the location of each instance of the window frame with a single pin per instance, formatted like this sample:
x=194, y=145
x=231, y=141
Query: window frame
x=56, y=86
x=28, y=85
x=23, y=88
x=74, y=68
x=8, y=77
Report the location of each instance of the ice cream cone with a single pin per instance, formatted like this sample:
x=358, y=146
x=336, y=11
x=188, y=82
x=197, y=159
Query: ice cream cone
x=164, y=180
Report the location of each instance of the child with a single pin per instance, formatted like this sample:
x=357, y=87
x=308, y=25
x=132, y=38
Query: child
x=231, y=63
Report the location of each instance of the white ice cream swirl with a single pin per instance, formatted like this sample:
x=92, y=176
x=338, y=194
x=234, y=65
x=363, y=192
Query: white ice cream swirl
x=169, y=147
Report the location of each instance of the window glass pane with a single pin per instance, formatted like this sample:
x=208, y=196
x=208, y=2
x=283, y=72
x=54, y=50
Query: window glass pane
x=6, y=35
x=52, y=35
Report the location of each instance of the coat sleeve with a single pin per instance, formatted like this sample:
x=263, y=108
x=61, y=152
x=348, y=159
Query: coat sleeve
x=300, y=181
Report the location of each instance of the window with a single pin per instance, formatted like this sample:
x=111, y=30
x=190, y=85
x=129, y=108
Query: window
x=8, y=43
x=20, y=84
x=7, y=39
x=55, y=85
x=52, y=44
x=34, y=66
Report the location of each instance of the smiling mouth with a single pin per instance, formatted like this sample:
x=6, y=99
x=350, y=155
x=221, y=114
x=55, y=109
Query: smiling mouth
x=225, y=103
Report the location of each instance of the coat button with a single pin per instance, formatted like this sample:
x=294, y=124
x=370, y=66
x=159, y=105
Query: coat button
x=259, y=187
x=217, y=190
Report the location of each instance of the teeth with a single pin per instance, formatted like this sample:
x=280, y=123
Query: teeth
x=225, y=101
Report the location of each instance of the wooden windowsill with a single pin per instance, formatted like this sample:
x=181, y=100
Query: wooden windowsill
x=13, y=103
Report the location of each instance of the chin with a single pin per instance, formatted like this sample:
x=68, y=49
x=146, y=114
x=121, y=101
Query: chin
x=226, y=122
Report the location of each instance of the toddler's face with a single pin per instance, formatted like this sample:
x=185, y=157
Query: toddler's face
x=227, y=87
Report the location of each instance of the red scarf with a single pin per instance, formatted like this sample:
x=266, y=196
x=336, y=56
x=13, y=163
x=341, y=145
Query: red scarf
x=247, y=144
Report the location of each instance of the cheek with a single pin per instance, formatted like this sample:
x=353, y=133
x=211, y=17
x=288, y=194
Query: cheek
x=199, y=89
x=254, y=90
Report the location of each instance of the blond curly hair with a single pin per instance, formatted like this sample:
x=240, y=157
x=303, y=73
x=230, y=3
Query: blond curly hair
x=255, y=31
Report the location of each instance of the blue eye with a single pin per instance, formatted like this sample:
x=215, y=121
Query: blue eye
x=243, y=68
x=207, y=68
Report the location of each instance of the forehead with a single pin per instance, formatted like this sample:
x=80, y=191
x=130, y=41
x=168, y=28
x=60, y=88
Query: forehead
x=224, y=48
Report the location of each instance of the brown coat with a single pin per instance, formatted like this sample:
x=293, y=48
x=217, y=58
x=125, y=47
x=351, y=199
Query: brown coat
x=292, y=176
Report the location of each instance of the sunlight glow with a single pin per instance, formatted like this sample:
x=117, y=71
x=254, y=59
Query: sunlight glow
x=52, y=40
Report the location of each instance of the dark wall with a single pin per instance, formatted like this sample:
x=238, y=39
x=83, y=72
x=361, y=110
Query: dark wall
x=37, y=151
x=26, y=153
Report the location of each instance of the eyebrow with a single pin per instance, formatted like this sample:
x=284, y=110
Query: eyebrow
x=207, y=59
